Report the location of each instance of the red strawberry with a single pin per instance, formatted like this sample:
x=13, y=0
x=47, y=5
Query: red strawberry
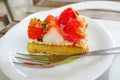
x=35, y=29
x=74, y=38
x=71, y=30
x=67, y=14
x=53, y=34
x=51, y=20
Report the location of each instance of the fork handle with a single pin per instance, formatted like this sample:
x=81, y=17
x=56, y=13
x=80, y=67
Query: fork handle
x=109, y=51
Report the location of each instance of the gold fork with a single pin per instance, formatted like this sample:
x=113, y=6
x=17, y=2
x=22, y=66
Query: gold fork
x=47, y=60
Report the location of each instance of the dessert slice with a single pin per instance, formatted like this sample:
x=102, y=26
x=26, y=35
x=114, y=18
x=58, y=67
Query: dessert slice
x=65, y=34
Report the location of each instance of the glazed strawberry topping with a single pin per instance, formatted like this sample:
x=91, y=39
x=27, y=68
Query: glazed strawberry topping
x=49, y=27
x=53, y=34
x=72, y=26
x=35, y=29
x=71, y=30
x=67, y=14
x=50, y=19
x=51, y=30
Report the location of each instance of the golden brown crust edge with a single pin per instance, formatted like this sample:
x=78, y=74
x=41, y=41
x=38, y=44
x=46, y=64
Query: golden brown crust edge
x=57, y=49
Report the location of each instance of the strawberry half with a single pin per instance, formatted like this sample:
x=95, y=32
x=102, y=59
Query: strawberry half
x=71, y=30
x=51, y=20
x=35, y=29
x=68, y=14
x=53, y=34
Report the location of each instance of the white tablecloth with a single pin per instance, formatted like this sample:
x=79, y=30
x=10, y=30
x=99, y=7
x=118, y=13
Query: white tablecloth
x=113, y=73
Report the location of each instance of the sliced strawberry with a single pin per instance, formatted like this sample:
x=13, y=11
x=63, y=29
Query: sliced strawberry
x=72, y=26
x=51, y=20
x=67, y=14
x=53, y=34
x=74, y=38
x=35, y=29
x=71, y=30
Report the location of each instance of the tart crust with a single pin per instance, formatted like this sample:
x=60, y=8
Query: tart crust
x=36, y=47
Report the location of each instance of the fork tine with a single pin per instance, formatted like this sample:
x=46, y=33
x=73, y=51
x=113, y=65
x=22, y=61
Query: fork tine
x=34, y=65
x=35, y=54
x=42, y=61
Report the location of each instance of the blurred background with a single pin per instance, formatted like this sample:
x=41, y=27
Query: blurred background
x=13, y=11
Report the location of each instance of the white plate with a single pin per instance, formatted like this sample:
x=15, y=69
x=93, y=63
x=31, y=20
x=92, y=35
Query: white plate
x=85, y=68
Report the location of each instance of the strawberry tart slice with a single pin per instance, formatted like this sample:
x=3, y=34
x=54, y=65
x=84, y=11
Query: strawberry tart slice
x=64, y=34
